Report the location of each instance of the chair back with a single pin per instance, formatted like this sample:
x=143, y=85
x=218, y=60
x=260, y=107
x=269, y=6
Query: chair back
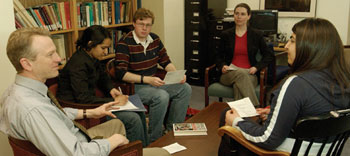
x=331, y=128
x=128, y=88
x=347, y=54
x=23, y=147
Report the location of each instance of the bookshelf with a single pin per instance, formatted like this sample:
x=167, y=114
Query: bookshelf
x=72, y=33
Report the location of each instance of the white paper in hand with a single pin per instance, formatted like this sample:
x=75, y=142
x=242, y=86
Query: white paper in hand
x=174, y=77
x=128, y=106
x=244, y=107
x=232, y=67
x=175, y=147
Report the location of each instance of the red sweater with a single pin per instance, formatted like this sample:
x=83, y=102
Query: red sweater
x=240, y=53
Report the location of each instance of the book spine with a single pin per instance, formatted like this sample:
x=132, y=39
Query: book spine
x=67, y=13
x=63, y=15
x=58, y=14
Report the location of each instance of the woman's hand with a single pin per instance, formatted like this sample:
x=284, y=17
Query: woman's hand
x=230, y=116
x=121, y=99
x=252, y=70
x=224, y=69
x=183, y=80
x=102, y=111
x=263, y=112
x=114, y=93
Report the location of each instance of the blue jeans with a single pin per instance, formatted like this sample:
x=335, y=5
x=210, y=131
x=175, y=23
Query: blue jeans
x=157, y=98
x=135, y=125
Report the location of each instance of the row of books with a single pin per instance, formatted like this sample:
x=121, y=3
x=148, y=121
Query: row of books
x=104, y=12
x=53, y=16
x=57, y=15
x=116, y=35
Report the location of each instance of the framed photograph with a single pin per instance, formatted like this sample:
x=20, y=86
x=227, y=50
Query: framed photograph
x=290, y=8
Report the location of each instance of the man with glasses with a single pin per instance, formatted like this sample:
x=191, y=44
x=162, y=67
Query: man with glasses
x=138, y=54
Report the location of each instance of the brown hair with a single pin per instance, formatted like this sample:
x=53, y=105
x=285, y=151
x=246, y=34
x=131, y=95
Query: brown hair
x=243, y=5
x=19, y=45
x=318, y=46
x=142, y=14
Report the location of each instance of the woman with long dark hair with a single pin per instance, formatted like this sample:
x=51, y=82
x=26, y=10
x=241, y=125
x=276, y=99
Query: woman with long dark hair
x=319, y=83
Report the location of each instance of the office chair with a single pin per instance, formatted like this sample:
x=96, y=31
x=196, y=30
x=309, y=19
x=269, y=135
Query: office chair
x=333, y=128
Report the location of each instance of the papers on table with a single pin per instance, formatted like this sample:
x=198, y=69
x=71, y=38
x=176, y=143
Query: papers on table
x=244, y=107
x=134, y=104
x=173, y=77
x=232, y=67
x=173, y=148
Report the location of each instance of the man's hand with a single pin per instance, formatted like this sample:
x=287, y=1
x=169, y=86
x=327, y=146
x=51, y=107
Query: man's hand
x=183, y=80
x=154, y=81
x=121, y=99
x=102, y=111
x=263, y=112
x=252, y=70
x=230, y=116
x=114, y=93
x=224, y=69
x=117, y=140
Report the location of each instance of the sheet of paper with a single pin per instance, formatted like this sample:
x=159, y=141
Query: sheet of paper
x=127, y=106
x=244, y=107
x=174, y=76
x=175, y=147
x=232, y=67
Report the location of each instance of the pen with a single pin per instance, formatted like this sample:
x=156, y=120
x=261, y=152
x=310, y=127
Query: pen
x=120, y=90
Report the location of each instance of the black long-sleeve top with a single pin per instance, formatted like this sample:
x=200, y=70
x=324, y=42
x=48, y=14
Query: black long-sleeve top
x=255, y=44
x=80, y=77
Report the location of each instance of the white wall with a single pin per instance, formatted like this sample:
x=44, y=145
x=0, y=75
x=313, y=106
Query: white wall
x=7, y=70
x=169, y=25
x=174, y=31
x=338, y=12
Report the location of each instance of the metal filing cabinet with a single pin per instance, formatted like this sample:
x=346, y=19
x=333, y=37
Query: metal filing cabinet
x=195, y=40
x=215, y=27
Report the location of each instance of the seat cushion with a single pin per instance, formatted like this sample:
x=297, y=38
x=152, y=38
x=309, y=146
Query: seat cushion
x=219, y=90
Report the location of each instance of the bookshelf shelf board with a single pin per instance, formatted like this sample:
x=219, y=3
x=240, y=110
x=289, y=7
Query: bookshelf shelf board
x=61, y=31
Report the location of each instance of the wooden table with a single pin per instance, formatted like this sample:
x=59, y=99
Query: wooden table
x=198, y=145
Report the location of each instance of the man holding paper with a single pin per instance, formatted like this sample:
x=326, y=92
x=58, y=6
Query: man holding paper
x=138, y=54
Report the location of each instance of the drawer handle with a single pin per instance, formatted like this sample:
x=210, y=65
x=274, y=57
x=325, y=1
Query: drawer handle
x=219, y=27
x=194, y=22
x=194, y=78
x=194, y=70
x=195, y=2
x=195, y=14
x=195, y=52
x=194, y=60
x=195, y=41
x=195, y=33
x=216, y=38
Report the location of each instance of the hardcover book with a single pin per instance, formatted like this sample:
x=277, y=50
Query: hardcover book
x=186, y=129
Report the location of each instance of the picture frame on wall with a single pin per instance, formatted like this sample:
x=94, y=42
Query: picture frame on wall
x=290, y=8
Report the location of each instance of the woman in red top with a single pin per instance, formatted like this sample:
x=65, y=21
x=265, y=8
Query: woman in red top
x=236, y=55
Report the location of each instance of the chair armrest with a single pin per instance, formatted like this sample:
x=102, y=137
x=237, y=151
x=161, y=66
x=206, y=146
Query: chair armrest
x=206, y=77
x=133, y=148
x=237, y=135
x=263, y=83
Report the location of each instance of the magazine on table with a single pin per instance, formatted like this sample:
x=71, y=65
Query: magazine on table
x=185, y=129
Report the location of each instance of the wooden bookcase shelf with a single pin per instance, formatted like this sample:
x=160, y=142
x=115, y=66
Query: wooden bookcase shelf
x=71, y=35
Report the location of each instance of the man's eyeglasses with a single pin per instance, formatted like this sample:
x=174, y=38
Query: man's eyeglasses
x=143, y=25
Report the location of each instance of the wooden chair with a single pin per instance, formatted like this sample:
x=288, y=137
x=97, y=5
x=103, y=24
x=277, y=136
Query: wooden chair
x=128, y=88
x=214, y=88
x=26, y=148
x=347, y=54
x=331, y=128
